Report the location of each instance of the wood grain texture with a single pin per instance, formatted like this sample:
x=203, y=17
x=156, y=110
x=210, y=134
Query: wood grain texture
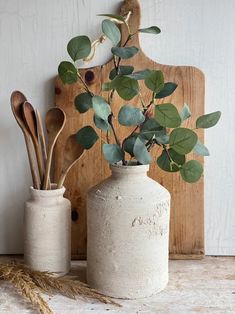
x=187, y=222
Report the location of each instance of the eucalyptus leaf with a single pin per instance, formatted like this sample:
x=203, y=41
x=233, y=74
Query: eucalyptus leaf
x=164, y=163
x=86, y=137
x=191, y=171
x=123, y=70
x=167, y=115
x=139, y=75
x=183, y=140
x=114, y=16
x=126, y=87
x=67, y=72
x=162, y=138
x=167, y=90
x=130, y=115
x=101, y=124
x=124, y=52
x=107, y=86
x=79, y=47
x=112, y=153
x=185, y=113
x=111, y=31
x=208, y=120
x=155, y=81
x=101, y=107
x=128, y=144
x=83, y=102
x=141, y=153
x=150, y=30
x=201, y=149
x=151, y=125
x=151, y=129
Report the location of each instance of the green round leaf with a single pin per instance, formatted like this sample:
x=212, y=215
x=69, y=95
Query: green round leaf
x=167, y=115
x=86, y=137
x=141, y=153
x=140, y=75
x=79, y=47
x=101, y=107
x=112, y=153
x=129, y=115
x=191, y=171
x=167, y=90
x=124, y=52
x=126, y=87
x=107, y=86
x=150, y=30
x=67, y=72
x=101, y=124
x=185, y=113
x=183, y=140
x=163, y=160
x=83, y=102
x=208, y=120
x=155, y=81
x=128, y=144
x=151, y=125
x=111, y=31
x=162, y=137
x=123, y=70
x=201, y=149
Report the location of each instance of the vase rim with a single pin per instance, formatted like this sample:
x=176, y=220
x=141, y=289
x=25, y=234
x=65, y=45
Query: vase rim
x=131, y=167
x=48, y=193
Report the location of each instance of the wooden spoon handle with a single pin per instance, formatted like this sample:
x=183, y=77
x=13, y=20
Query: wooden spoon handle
x=39, y=160
x=41, y=135
x=45, y=185
x=62, y=178
x=36, y=183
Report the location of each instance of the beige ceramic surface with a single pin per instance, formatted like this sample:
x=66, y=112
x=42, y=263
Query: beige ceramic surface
x=47, y=231
x=128, y=234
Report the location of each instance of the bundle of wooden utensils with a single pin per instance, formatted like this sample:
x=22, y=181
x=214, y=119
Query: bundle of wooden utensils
x=40, y=155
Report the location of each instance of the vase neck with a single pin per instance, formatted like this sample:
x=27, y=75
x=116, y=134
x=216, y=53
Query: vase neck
x=47, y=195
x=130, y=171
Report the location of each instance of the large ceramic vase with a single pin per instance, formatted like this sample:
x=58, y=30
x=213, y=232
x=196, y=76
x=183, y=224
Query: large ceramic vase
x=128, y=233
x=47, y=231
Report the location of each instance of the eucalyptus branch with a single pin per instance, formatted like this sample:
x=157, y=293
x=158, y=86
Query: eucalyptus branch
x=110, y=118
x=84, y=84
x=172, y=162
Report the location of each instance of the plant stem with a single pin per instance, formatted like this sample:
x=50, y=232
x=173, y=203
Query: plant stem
x=84, y=84
x=113, y=130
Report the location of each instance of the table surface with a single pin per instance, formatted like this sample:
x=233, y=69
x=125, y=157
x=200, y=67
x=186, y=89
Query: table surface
x=199, y=286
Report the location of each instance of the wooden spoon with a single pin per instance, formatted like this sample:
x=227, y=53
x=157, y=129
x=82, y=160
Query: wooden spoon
x=31, y=123
x=72, y=153
x=41, y=135
x=55, y=121
x=17, y=100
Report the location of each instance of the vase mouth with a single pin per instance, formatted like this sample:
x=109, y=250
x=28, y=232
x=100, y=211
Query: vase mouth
x=130, y=167
x=48, y=193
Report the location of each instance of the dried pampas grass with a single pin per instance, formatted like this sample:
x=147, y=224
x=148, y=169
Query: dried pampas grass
x=29, y=283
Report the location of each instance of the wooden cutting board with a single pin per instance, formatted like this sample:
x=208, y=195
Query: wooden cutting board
x=187, y=210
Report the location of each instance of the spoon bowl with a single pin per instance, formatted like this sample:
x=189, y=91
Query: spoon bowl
x=17, y=101
x=30, y=120
x=55, y=121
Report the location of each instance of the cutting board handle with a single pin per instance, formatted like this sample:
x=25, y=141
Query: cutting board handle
x=132, y=6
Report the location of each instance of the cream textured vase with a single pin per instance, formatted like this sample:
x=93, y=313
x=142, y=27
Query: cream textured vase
x=128, y=231
x=47, y=231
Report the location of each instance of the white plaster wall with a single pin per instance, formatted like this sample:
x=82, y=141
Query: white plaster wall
x=33, y=38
